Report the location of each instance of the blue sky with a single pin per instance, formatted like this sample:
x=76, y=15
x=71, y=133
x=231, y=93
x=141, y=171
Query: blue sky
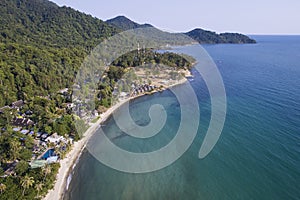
x=245, y=16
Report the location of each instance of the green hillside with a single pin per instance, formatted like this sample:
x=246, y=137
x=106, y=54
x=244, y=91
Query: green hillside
x=42, y=45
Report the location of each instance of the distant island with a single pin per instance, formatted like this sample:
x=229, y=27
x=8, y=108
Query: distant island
x=199, y=35
x=208, y=37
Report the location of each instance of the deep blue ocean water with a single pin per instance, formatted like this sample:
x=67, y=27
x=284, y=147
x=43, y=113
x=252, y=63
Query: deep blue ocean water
x=258, y=153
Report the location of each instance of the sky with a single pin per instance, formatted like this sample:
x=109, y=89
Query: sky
x=269, y=17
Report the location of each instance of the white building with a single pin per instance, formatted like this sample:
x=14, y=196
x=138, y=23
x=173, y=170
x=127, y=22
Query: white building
x=54, y=138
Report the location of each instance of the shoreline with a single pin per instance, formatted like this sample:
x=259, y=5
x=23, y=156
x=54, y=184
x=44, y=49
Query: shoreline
x=67, y=164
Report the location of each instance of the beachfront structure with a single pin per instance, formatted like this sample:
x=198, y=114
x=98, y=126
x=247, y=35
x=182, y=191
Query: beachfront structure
x=140, y=89
x=52, y=159
x=54, y=138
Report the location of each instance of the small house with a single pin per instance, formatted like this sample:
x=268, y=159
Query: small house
x=22, y=122
x=25, y=132
x=17, y=104
x=44, y=136
x=16, y=129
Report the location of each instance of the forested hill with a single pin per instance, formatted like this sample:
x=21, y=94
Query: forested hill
x=124, y=23
x=199, y=35
x=209, y=37
x=44, y=23
x=42, y=45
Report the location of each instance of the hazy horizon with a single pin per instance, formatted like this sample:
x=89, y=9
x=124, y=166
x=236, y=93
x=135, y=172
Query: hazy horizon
x=248, y=17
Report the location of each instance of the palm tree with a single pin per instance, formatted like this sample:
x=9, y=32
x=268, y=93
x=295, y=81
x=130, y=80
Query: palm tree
x=15, y=147
x=46, y=171
x=26, y=183
x=39, y=188
x=2, y=188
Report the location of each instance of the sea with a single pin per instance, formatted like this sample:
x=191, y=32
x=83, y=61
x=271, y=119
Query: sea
x=257, y=155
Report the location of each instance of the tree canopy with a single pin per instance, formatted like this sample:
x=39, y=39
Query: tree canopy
x=42, y=45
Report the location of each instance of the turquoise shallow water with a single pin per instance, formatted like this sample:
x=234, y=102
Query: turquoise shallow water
x=258, y=154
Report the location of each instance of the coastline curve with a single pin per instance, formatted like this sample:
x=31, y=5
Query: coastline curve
x=108, y=153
